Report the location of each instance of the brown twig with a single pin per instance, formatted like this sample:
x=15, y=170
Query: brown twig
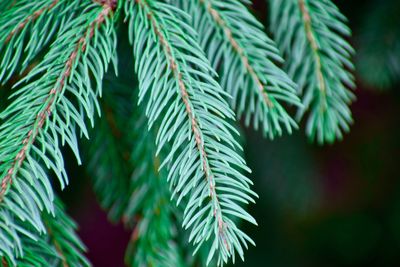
x=4, y=262
x=313, y=43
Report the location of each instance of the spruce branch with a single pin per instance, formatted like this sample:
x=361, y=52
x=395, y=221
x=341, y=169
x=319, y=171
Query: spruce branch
x=30, y=18
x=26, y=28
x=311, y=34
x=237, y=46
x=43, y=115
x=177, y=81
x=45, y=110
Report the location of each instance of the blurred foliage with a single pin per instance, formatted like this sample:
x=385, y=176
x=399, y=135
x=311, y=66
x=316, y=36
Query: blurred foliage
x=378, y=60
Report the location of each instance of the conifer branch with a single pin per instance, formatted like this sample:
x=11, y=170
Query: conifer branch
x=202, y=160
x=30, y=19
x=42, y=116
x=44, y=112
x=311, y=34
x=24, y=35
x=178, y=75
x=194, y=124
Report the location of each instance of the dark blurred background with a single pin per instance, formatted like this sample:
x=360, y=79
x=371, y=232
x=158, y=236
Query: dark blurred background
x=336, y=205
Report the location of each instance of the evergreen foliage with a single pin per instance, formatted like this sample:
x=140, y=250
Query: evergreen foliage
x=26, y=29
x=46, y=112
x=311, y=35
x=202, y=162
x=163, y=154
